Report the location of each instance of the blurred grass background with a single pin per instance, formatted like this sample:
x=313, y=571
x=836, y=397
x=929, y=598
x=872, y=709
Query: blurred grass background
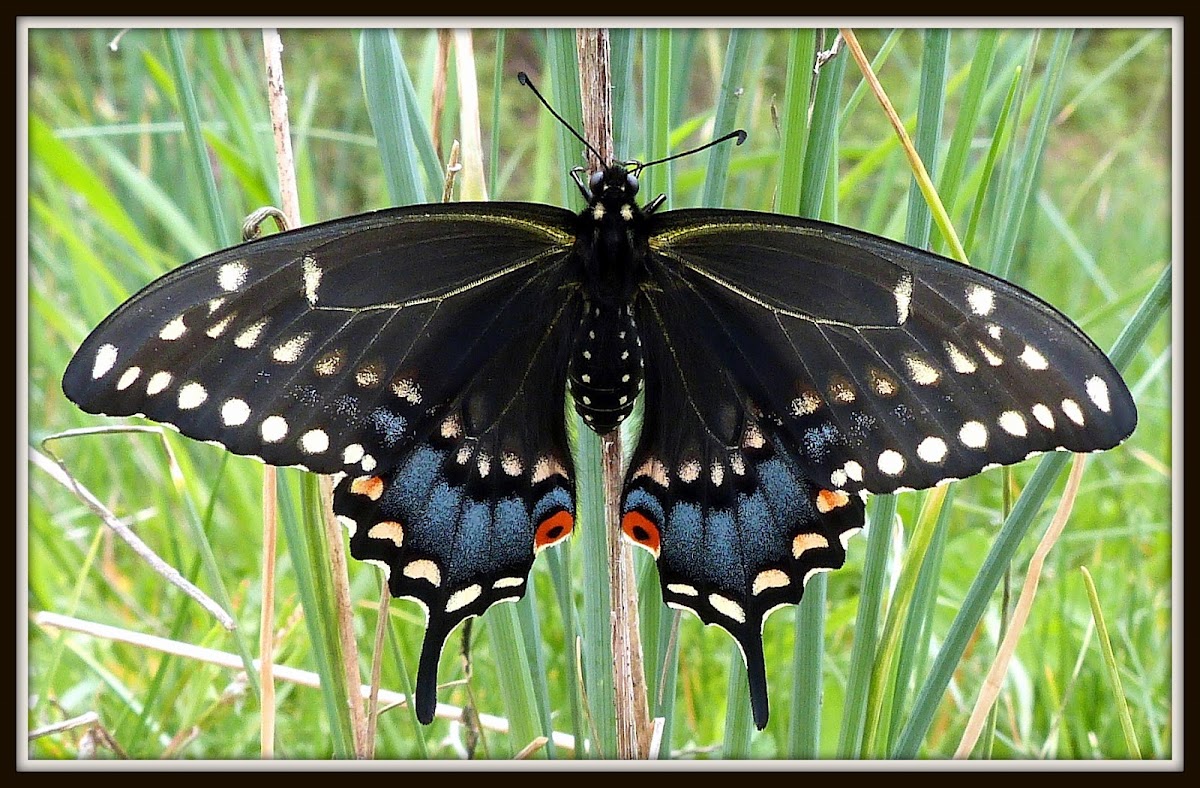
x=116, y=198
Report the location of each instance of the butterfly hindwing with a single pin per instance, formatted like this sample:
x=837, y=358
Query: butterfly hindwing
x=718, y=494
x=456, y=522
x=888, y=366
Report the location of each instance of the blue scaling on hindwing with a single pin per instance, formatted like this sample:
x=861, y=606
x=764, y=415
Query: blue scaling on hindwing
x=454, y=529
x=735, y=545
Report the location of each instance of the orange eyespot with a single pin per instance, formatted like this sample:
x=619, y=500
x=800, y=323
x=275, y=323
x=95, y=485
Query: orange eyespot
x=641, y=530
x=828, y=500
x=553, y=530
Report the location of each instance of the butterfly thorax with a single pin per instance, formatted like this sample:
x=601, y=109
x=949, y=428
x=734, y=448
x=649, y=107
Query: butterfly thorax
x=606, y=359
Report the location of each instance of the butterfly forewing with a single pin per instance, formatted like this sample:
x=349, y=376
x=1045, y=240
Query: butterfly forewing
x=889, y=367
x=325, y=347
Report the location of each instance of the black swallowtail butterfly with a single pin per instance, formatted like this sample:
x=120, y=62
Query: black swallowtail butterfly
x=423, y=355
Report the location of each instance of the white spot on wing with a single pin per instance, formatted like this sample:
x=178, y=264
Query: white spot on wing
x=1013, y=423
x=389, y=530
x=891, y=462
x=157, y=382
x=249, y=338
x=959, y=360
x=128, y=378
x=1073, y=411
x=770, y=578
x=350, y=524
x=973, y=434
x=854, y=470
x=173, y=330
x=235, y=412
x=273, y=429
x=314, y=441
x=992, y=357
x=218, y=328
x=683, y=589
x=106, y=358
x=352, y=453
x=1033, y=359
x=981, y=300
x=932, y=449
x=191, y=395
x=290, y=351
x=463, y=597
x=424, y=569
x=231, y=276
x=903, y=295
x=727, y=607
x=920, y=370
x=1044, y=416
x=1097, y=389
x=806, y=404
x=312, y=279
x=509, y=582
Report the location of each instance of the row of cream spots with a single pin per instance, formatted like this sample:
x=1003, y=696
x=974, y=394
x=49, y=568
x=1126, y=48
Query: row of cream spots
x=764, y=581
x=920, y=371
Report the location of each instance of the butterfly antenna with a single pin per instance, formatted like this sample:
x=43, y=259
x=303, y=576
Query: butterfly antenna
x=524, y=79
x=739, y=134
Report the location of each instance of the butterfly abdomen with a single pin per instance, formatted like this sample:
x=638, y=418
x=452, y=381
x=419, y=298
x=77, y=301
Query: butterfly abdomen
x=606, y=366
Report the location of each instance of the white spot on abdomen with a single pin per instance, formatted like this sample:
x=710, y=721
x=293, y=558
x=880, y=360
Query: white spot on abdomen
x=106, y=358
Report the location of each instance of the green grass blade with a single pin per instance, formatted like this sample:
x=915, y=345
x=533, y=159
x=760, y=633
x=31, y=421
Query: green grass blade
x=1110, y=663
x=221, y=231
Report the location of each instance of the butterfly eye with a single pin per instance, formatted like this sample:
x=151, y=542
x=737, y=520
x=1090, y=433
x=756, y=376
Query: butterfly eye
x=631, y=184
x=596, y=182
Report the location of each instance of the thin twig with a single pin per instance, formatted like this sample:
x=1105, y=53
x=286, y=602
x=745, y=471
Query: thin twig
x=54, y=467
x=629, y=679
x=995, y=676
